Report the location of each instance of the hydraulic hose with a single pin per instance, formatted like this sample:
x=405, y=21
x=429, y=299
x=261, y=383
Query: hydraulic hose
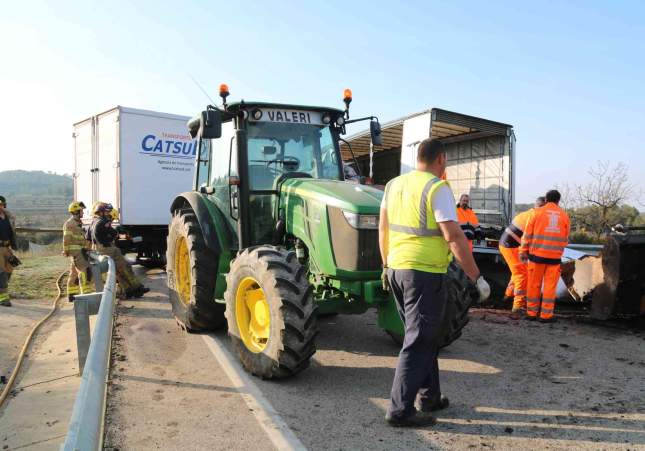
x=25, y=346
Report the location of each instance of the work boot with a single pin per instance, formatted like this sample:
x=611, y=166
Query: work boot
x=70, y=298
x=548, y=320
x=530, y=318
x=439, y=404
x=5, y=303
x=140, y=291
x=418, y=419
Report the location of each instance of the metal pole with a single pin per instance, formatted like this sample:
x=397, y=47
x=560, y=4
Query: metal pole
x=86, y=425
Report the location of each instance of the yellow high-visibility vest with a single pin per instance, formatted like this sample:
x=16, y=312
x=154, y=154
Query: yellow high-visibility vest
x=414, y=238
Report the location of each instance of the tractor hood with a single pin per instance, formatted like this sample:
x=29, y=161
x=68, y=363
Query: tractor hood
x=344, y=195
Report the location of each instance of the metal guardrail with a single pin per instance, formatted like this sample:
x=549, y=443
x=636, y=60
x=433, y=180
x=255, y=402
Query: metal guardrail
x=85, y=430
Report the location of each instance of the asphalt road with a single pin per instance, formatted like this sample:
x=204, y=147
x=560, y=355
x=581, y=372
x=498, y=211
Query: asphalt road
x=511, y=384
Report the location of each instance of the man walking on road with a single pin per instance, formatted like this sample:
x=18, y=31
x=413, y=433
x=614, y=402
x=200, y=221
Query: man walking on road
x=418, y=233
x=7, y=259
x=103, y=236
x=75, y=247
x=543, y=242
x=509, y=244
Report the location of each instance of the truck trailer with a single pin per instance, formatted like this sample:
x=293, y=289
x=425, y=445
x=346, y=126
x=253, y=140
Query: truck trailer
x=137, y=160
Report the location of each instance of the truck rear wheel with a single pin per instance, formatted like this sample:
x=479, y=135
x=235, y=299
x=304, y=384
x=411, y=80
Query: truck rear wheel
x=455, y=316
x=270, y=312
x=191, y=269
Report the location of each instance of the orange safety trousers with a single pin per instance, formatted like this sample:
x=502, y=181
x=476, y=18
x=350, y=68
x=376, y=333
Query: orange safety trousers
x=544, y=278
x=518, y=275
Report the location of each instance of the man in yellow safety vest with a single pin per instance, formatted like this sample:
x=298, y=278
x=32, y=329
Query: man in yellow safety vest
x=419, y=233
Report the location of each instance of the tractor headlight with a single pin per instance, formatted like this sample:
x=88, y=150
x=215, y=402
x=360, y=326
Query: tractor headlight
x=359, y=221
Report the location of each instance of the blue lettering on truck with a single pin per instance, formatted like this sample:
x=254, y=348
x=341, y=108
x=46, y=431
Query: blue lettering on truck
x=170, y=145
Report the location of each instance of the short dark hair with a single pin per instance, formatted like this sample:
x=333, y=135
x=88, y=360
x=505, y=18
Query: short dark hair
x=429, y=150
x=553, y=196
x=541, y=199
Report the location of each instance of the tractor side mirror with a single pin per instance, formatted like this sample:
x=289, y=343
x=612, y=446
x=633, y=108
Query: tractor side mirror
x=210, y=126
x=375, y=132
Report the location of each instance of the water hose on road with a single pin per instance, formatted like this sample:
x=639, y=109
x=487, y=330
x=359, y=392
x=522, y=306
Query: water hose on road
x=25, y=346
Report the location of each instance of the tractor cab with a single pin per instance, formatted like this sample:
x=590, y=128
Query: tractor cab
x=247, y=150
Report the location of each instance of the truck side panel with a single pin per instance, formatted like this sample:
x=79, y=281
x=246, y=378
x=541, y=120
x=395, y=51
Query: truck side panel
x=415, y=130
x=481, y=169
x=157, y=157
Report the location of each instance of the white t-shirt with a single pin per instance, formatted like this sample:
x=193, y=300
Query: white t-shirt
x=443, y=205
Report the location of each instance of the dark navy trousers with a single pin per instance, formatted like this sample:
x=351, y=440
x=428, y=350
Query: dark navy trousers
x=421, y=299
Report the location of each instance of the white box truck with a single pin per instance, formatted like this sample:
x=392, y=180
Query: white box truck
x=138, y=161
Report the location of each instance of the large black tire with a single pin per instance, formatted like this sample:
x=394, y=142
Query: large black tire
x=459, y=302
x=292, y=312
x=455, y=316
x=194, y=307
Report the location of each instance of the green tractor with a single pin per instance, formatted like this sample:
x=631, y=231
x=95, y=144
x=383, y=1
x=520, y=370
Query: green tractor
x=272, y=236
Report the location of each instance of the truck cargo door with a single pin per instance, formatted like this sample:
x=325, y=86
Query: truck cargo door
x=83, y=167
x=107, y=158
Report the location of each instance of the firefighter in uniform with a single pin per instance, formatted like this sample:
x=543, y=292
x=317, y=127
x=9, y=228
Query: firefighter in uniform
x=75, y=246
x=418, y=235
x=103, y=236
x=7, y=259
x=543, y=242
x=509, y=244
x=468, y=220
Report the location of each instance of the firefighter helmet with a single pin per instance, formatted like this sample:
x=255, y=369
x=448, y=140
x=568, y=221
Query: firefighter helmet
x=76, y=207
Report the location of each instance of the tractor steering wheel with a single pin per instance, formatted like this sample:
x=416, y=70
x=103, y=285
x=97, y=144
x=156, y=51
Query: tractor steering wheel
x=287, y=158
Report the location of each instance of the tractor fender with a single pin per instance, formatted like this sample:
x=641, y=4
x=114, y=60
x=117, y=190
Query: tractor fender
x=198, y=205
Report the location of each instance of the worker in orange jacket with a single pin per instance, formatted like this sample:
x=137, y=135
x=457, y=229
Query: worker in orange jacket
x=468, y=220
x=543, y=242
x=509, y=244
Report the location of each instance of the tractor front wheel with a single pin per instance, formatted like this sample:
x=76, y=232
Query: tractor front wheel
x=270, y=312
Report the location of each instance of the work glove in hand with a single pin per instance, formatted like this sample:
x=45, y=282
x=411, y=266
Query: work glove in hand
x=384, y=280
x=479, y=291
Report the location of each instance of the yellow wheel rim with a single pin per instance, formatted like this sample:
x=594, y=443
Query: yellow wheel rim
x=252, y=314
x=182, y=270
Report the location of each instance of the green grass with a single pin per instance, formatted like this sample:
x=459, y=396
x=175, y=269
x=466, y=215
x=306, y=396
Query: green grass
x=36, y=277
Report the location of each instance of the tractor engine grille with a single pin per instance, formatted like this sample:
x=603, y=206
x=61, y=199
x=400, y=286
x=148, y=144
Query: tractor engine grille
x=354, y=249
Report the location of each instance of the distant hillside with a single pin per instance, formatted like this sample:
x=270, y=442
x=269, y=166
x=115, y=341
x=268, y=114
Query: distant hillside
x=35, y=189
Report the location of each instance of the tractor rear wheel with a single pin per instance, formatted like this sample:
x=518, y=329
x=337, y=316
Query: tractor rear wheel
x=455, y=316
x=191, y=269
x=270, y=312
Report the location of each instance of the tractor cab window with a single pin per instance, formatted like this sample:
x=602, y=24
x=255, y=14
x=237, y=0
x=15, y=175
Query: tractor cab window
x=278, y=148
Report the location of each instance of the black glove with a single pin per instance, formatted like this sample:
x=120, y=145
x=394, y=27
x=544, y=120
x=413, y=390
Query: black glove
x=384, y=280
x=479, y=235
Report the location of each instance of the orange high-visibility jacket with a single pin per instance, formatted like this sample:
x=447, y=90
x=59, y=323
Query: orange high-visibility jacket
x=512, y=236
x=546, y=234
x=468, y=221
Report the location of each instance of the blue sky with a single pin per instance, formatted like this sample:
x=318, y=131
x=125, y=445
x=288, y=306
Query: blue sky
x=570, y=77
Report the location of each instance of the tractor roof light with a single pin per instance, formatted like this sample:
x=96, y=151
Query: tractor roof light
x=223, y=92
x=256, y=114
x=326, y=118
x=347, y=98
x=340, y=121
